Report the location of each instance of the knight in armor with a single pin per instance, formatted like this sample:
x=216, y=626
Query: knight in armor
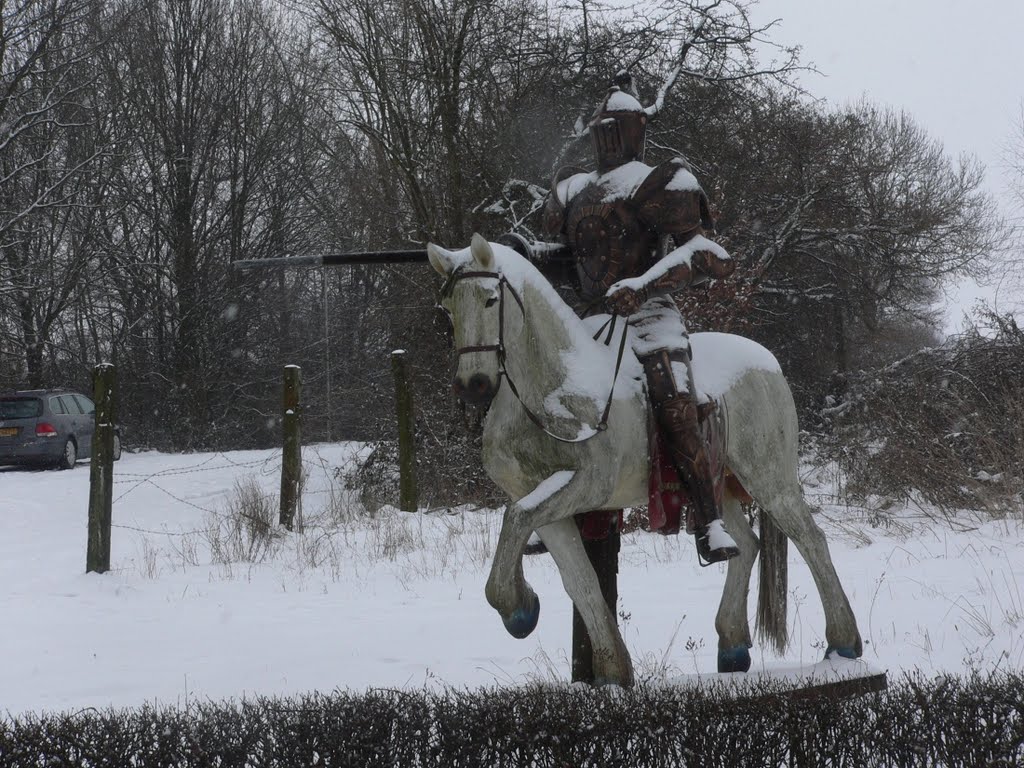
x=637, y=233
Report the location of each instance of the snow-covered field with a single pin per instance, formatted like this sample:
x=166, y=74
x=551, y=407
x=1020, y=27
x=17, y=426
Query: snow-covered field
x=397, y=599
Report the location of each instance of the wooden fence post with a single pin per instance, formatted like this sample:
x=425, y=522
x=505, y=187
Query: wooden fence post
x=101, y=470
x=406, y=432
x=291, y=460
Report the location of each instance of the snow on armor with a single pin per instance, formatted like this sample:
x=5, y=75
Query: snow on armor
x=637, y=234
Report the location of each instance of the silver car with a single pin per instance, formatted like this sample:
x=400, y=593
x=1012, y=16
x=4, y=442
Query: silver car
x=48, y=427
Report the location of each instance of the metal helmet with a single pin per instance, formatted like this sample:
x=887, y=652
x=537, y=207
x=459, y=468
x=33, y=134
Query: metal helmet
x=618, y=128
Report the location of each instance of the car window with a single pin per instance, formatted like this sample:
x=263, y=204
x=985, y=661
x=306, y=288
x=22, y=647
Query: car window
x=85, y=404
x=20, y=408
x=71, y=405
x=57, y=405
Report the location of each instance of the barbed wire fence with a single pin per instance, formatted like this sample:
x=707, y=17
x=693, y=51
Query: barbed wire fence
x=342, y=397
x=238, y=518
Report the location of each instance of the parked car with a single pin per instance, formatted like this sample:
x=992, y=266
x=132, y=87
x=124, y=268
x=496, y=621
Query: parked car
x=50, y=427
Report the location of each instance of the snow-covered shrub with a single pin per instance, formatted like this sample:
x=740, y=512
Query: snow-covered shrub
x=947, y=422
x=947, y=721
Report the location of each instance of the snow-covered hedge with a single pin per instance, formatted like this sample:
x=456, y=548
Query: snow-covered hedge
x=945, y=721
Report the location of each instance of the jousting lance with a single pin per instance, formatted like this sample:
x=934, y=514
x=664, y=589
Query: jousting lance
x=536, y=251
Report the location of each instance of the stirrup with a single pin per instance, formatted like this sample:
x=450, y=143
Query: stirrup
x=725, y=547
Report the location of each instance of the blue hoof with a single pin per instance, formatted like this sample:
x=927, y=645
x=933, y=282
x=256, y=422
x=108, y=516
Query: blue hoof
x=734, y=659
x=524, y=620
x=846, y=651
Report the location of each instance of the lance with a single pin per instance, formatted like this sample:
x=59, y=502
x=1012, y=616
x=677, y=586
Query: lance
x=540, y=253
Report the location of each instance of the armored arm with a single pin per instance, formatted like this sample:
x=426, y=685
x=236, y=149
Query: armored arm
x=542, y=252
x=673, y=206
x=566, y=182
x=672, y=203
x=554, y=216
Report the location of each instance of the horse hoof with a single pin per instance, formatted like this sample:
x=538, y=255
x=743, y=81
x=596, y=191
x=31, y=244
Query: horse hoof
x=846, y=651
x=524, y=620
x=734, y=659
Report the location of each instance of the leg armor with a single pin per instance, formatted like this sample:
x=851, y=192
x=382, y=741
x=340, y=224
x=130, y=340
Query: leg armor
x=676, y=412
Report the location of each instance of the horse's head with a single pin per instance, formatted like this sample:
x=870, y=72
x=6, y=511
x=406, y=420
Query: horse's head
x=474, y=296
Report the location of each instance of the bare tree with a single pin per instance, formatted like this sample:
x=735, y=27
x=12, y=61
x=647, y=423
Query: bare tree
x=849, y=220
x=213, y=164
x=50, y=148
x=1013, y=157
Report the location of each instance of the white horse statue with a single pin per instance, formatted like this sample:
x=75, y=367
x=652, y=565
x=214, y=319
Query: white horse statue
x=509, y=324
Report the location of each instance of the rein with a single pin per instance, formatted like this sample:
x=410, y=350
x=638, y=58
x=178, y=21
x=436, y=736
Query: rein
x=500, y=351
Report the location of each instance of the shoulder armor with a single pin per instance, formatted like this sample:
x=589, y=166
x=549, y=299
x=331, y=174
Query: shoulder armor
x=568, y=183
x=671, y=200
x=564, y=185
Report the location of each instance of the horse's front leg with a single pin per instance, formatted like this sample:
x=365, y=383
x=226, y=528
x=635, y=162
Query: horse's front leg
x=610, y=657
x=507, y=590
x=559, y=496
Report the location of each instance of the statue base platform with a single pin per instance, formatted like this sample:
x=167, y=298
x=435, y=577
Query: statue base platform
x=836, y=678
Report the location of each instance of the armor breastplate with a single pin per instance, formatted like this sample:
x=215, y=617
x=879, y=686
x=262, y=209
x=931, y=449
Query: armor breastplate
x=608, y=240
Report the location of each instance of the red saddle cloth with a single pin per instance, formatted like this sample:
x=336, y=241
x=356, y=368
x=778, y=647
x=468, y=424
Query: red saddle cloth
x=599, y=523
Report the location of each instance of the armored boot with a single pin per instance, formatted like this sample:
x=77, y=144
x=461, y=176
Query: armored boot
x=677, y=417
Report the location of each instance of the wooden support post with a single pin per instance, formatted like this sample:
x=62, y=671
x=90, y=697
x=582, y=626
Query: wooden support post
x=406, y=433
x=291, y=460
x=604, y=556
x=101, y=470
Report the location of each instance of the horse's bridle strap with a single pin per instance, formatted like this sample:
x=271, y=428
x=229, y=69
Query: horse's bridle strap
x=503, y=283
x=479, y=348
x=602, y=425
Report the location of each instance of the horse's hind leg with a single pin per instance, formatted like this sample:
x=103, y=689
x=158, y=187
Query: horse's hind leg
x=792, y=514
x=731, y=621
x=611, y=659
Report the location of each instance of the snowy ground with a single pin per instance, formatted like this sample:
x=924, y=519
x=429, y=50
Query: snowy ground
x=397, y=599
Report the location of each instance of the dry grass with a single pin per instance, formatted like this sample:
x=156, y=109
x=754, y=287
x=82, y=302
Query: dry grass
x=246, y=533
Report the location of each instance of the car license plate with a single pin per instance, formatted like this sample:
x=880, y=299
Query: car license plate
x=8, y=431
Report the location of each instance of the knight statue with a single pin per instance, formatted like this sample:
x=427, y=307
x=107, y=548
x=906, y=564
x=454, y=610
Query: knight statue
x=637, y=234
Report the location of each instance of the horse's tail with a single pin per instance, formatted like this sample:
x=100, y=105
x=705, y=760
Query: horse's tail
x=774, y=575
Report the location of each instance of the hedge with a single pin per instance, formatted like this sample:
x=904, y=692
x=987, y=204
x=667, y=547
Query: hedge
x=946, y=721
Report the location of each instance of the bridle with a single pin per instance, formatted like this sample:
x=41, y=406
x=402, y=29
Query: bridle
x=460, y=273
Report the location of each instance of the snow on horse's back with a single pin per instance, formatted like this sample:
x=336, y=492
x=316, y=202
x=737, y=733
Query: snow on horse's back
x=721, y=359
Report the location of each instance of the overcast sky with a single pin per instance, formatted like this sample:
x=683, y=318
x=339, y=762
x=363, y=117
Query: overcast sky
x=957, y=67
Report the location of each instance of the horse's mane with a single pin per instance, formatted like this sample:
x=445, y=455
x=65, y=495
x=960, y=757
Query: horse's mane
x=520, y=271
x=523, y=274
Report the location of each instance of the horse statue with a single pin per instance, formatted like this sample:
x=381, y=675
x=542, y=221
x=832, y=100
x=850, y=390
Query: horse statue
x=561, y=438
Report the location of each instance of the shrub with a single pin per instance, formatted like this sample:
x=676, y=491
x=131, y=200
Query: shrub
x=947, y=422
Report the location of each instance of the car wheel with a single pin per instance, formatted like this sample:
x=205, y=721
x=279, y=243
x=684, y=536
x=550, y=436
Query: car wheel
x=69, y=457
x=117, y=447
